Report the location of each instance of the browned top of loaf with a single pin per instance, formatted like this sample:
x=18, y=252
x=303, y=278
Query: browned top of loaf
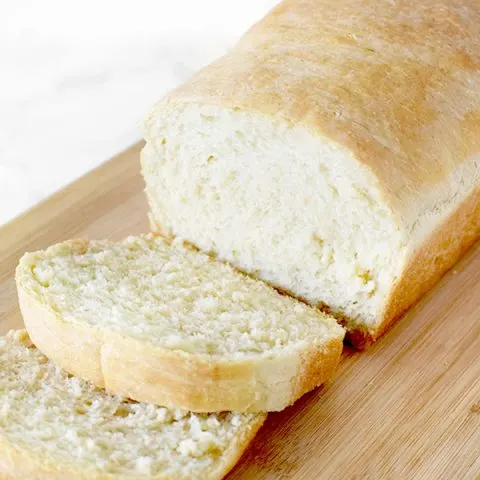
x=396, y=81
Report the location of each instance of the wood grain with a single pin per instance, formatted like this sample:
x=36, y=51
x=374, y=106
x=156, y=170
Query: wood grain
x=407, y=408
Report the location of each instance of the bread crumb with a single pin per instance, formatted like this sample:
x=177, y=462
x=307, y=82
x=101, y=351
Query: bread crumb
x=172, y=296
x=59, y=416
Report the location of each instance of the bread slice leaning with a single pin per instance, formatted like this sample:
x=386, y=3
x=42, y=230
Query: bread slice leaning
x=56, y=426
x=165, y=324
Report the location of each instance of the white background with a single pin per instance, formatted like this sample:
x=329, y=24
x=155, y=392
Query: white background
x=77, y=78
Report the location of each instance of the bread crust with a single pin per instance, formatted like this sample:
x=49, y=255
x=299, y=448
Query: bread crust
x=17, y=463
x=407, y=110
x=173, y=378
x=439, y=252
x=391, y=114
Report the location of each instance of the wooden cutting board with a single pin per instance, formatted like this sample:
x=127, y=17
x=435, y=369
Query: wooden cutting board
x=407, y=408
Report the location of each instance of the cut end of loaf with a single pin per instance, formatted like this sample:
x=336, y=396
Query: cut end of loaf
x=277, y=202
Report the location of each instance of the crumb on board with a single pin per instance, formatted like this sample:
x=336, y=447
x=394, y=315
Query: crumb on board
x=475, y=408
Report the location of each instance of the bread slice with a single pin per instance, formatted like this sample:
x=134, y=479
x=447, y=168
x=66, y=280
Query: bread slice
x=334, y=152
x=165, y=324
x=57, y=427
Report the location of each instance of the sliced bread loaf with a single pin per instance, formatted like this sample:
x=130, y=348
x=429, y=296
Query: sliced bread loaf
x=165, y=324
x=334, y=152
x=57, y=427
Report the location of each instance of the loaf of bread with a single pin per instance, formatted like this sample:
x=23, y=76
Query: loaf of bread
x=168, y=325
x=57, y=427
x=334, y=152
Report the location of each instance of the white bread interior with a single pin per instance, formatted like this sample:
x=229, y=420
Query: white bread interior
x=165, y=324
x=288, y=207
x=278, y=202
x=57, y=427
x=336, y=159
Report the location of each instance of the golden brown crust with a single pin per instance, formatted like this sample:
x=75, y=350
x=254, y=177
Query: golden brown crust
x=440, y=251
x=173, y=378
x=309, y=376
x=396, y=83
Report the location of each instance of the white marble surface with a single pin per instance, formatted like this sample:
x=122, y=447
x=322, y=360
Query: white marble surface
x=76, y=79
